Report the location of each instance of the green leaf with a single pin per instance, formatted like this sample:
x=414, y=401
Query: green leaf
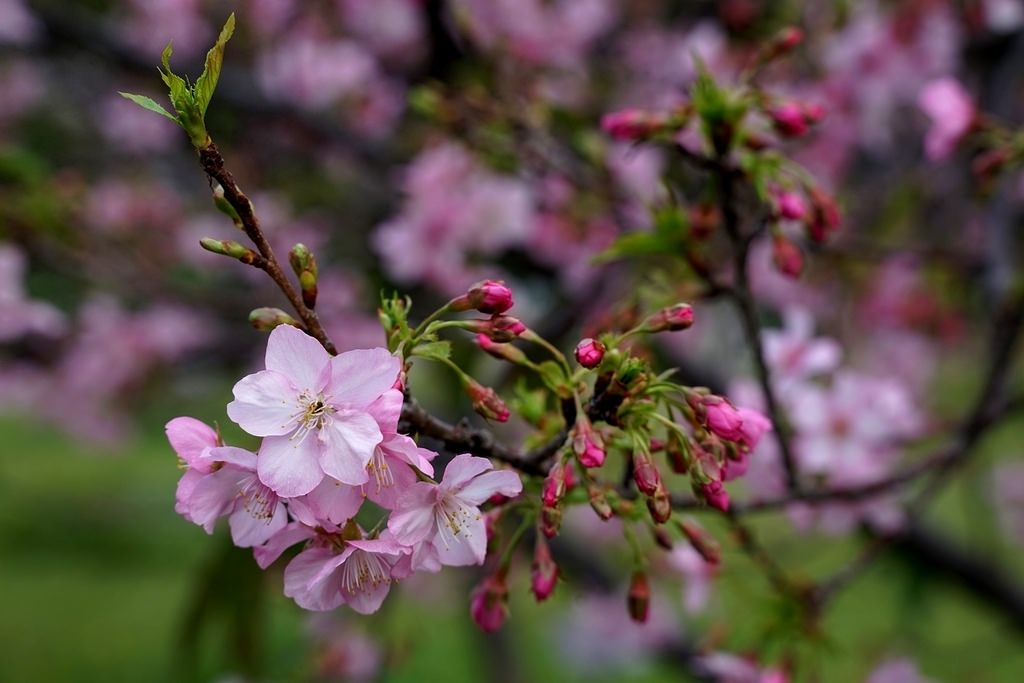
x=148, y=103
x=438, y=350
x=553, y=376
x=178, y=87
x=207, y=82
x=638, y=244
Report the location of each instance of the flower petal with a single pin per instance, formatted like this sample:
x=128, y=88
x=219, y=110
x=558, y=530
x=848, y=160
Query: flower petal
x=214, y=496
x=288, y=536
x=239, y=457
x=480, y=488
x=413, y=518
x=297, y=356
x=189, y=438
x=334, y=501
x=461, y=469
x=468, y=546
x=289, y=466
x=360, y=377
x=301, y=582
x=248, y=531
x=347, y=446
x=387, y=410
x=265, y=404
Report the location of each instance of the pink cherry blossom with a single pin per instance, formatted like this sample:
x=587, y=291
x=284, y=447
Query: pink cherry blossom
x=795, y=354
x=447, y=515
x=313, y=411
x=697, y=574
x=335, y=571
x=229, y=487
x=952, y=112
x=897, y=671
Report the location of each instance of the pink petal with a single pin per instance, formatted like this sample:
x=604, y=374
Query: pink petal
x=288, y=536
x=360, y=377
x=413, y=518
x=462, y=468
x=183, y=494
x=248, y=531
x=297, y=356
x=239, y=457
x=334, y=501
x=387, y=495
x=214, y=496
x=320, y=595
x=265, y=403
x=467, y=547
x=290, y=466
x=387, y=410
x=482, y=487
x=347, y=446
x=369, y=600
x=401, y=447
x=189, y=438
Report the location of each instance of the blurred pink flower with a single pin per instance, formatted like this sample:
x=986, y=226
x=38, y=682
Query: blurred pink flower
x=952, y=112
x=1008, y=499
x=20, y=315
x=697, y=575
x=897, y=671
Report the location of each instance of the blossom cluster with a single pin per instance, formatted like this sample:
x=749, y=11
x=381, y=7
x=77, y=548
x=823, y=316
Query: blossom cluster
x=330, y=442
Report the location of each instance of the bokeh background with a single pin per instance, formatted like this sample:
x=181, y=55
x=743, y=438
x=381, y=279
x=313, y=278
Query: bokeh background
x=422, y=145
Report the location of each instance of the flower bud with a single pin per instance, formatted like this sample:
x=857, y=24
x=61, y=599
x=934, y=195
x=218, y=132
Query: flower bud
x=599, y=502
x=704, y=218
x=639, y=600
x=266, y=319
x=488, y=604
x=555, y=485
x=790, y=206
x=587, y=445
x=660, y=505
x=788, y=258
x=632, y=124
x=789, y=120
x=231, y=248
x=671, y=319
x=489, y=296
x=589, y=353
x=304, y=265
x=824, y=215
x=676, y=450
x=486, y=401
x=722, y=418
x=500, y=328
x=645, y=474
x=662, y=538
x=544, y=571
x=702, y=542
x=550, y=520
x=788, y=38
x=500, y=351
x=715, y=495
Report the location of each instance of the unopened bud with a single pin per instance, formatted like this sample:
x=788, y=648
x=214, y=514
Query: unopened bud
x=550, y=521
x=639, y=600
x=500, y=328
x=488, y=604
x=266, y=319
x=304, y=264
x=224, y=206
x=632, y=124
x=706, y=546
x=587, y=445
x=660, y=505
x=599, y=502
x=788, y=258
x=677, y=452
x=662, y=538
x=589, y=353
x=824, y=215
x=486, y=401
x=704, y=218
x=489, y=296
x=671, y=319
x=555, y=485
x=715, y=495
x=645, y=473
x=544, y=571
x=501, y=351
x=232, y=249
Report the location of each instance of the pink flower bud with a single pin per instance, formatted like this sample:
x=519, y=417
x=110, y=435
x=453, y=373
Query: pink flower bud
x=489, y=296
x=631, y=124
x=753, y=428
x=660, y=505
x=639, y=599
x=500, y=351
x=589, y=353
x=486, y=402
x=554, y=485
x=599, y=502
x=678, y=317
x=789, y=38
x=813, y=112
x=722, y=418
x=701, y=541
x=824, y=215
x=489, y=603
x=645, y=474
x=734, y=468
x=791, y=205
x=788, y=258
x=550, y=521
x=500, y=328
x=587, y=445
x=544, y=571
x=716, y=495
x=789, y=120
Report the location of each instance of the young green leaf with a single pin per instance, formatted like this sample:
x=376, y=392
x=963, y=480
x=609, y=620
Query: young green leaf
x=148, y=103
x=207, y=82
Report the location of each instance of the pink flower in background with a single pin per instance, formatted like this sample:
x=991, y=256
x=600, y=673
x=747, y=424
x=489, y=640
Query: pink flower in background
x=897, y=671
x=1008, y=499
x=17, y=24
x=447, y=515
x=344, y=652
x=132, y=128
x=20, y=315
x=313, y=411
x=952, y=112
x=730, y=668
x=315, y=73
x=697, y=575
x=336, y=572
x=795, y=354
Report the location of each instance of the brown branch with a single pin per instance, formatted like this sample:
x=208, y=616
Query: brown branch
x=213, y=164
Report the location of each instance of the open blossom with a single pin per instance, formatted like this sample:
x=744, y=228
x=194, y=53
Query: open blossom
x=952, y=113
x=333, y=571
x=795, y=354
x=446, y=516
x=313, y=411
x=191, y=440
x=231, y=489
